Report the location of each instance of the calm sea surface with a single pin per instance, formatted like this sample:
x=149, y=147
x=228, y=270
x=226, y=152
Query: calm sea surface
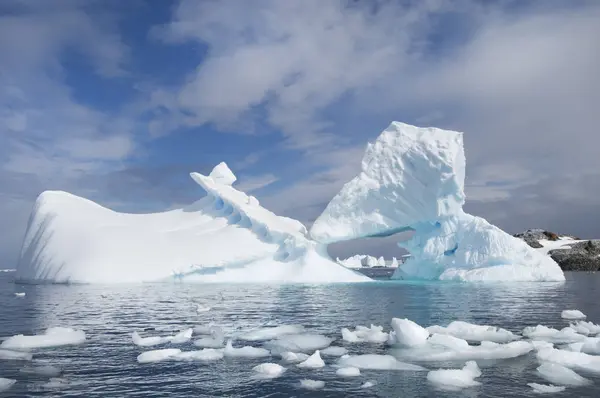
x=105, y=365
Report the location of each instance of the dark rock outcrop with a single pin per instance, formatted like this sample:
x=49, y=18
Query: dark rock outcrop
x=573, y=256
x=581, y=256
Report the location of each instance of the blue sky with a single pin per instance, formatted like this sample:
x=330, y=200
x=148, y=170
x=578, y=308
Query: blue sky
x=118, y=101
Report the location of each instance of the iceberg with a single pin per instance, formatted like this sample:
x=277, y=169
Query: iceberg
x=412, y=179
x=224, y=237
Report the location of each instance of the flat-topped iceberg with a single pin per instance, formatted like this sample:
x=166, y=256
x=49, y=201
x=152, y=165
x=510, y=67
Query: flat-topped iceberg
x=224, y=237
x=412, y=179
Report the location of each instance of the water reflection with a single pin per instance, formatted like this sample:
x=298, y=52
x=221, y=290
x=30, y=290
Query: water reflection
x=106, y=365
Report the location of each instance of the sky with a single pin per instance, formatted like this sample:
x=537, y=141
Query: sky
x=118, y=101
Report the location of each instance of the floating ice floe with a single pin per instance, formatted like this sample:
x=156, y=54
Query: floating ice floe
x=217, y=339
x=200, y=308
x=245, y=352
x=5, y=384
x=367, y=384
x=52, y=337
x=558, y=374
x=270, y=333
x=471, y=332
x=182, y=337
x=20, y=294
x=377, y=362
x=455, y=379
x=293, y=357
x=407, y=333
x=204, y=329
x=551, y=335
x=569, y=359
x=362, y=334
x=334, y=351
x=298, y=343
x=158, y=355
x=348, y=372
x=268, y=370
x=205, y=355
x=572, y=314
x=148, y=341
x=309, y=384
x=15, y=355
x=585, y=328
x=312, y=362
x=545, y=388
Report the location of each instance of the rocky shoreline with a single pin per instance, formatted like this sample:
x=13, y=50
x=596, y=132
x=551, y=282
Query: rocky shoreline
x=570, y=252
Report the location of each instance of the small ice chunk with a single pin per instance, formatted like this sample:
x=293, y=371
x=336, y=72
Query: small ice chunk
x=158, y=355
x=448, y=341
x=271, y=333
x=52, y=337
x=312, y=362
x=5, y=384
x=182, y=337
x=200, y=308
x=148, y=341
x=204, y=329
x=334, y=351
x=348, y=372
x=306, y=343
x=309, y=384
x=44, y=370
x=15, y=355
x=564, y=336
x=591, y=346
x=216, y=340
x=572, y=360
x=585, y=328
x=368, y=384
x=407, y=333
x=558, y=374
x=471, y=332
x=377, y=362
x=208, y=342
x=205, y=355
x=20, y=294
x=244, y=352
x=572, y=314
x=269, y=370
x=545, y=388
x=455, y=379
x=293, y=357
x=363, y=334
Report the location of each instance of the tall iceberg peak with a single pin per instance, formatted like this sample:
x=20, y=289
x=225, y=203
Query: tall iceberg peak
x=221, y=174
x=412, y=178
x=409, y=174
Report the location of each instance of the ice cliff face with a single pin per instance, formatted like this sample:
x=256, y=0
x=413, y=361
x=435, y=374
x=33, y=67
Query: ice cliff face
x=225, y=237
x=413, y=179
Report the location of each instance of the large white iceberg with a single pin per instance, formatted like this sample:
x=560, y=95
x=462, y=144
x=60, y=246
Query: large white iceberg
x=224, y=237
x=413, y=179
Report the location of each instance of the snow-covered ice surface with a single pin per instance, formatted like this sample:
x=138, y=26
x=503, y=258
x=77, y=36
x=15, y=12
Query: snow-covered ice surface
x=106, y=364
x=224, y=237
x=413, y=179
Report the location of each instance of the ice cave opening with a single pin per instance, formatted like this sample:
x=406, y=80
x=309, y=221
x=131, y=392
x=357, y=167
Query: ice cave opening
x=372, y=252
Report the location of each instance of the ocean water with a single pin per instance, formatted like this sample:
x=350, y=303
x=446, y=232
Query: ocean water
x=105, y=365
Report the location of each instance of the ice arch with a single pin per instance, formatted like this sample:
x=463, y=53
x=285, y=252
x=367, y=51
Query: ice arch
x=412, y=178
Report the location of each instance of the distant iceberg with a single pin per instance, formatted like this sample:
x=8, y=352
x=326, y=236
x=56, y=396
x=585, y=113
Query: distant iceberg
x=412, y=178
